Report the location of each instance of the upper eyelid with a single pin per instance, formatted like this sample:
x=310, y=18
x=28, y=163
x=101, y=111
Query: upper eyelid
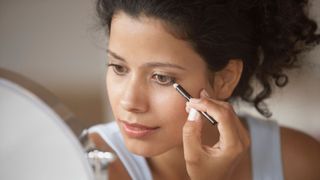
x=113, y=65
x=115, y=62
x=161, y=72
x=170, y=76
x=173, y=75
x=166, y=75
x=155, y=72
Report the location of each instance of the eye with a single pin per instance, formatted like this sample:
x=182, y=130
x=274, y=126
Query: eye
x=163, y=79
x=118, y=69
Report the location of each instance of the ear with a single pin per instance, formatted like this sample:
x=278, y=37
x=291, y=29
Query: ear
x=226, y=80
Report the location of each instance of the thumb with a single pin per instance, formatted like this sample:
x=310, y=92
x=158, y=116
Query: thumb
x=192, y=136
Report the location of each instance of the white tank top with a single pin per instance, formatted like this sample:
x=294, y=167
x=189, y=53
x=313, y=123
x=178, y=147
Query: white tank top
x=265, y=148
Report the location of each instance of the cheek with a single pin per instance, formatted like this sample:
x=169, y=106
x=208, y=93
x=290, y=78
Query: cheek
x=169, y=110
x=170, y=106
x=113, y=90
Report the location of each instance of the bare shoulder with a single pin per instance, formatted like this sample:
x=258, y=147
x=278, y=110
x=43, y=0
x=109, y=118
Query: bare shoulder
x=116, y=170
x=301, y=155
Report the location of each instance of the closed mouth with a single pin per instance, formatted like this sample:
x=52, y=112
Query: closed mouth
x=137, y=130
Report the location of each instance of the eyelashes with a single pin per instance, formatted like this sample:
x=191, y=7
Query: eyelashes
x=164, y=79
x=118, y=69
x=161, y=79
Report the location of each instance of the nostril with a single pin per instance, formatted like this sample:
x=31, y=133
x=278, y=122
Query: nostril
x=134, y=106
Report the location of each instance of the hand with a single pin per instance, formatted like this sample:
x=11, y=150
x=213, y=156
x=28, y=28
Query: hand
x=217, y=162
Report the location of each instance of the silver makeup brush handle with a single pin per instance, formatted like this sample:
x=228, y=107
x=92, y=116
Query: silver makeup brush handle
x=99, y=160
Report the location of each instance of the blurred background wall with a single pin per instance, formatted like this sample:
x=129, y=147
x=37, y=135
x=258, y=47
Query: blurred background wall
x=59, y=45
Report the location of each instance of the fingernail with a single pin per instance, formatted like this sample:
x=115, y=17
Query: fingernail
x=204, y=93
x=193, y=115
x=187, y=109
x=194, y=100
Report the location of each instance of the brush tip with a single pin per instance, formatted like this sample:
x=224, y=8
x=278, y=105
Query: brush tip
x=175, y=85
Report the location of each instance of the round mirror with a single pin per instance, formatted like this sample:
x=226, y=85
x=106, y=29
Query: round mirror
x=35, y=142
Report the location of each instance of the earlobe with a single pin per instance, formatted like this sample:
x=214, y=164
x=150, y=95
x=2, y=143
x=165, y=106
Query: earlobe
x=226, y=80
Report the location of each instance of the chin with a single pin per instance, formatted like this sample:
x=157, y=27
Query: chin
x=145, y=149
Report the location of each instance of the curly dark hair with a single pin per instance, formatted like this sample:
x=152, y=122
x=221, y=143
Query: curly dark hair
x=267, y=35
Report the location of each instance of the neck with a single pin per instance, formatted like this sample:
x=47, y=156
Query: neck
x=171, y=164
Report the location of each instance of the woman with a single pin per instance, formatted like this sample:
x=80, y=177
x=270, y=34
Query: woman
x=214, y=49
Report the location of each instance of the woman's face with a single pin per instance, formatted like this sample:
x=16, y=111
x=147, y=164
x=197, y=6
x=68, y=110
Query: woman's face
x=144, y=60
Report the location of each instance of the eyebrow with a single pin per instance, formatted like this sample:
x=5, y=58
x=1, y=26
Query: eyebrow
x=149, y=64
x=113, y=54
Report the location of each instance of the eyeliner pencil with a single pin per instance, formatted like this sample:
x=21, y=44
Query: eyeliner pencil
x=187, y=96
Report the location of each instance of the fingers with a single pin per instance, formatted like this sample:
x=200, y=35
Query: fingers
x=227, y=129
x=226, y=152
x=232, y=132
x=192, y=137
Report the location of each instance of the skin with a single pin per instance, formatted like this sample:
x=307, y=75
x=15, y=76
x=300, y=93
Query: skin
x=140, y=91
x=137, y=95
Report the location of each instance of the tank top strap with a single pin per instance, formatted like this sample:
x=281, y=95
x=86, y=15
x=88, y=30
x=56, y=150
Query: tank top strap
x=265, y=149
x=136, y=166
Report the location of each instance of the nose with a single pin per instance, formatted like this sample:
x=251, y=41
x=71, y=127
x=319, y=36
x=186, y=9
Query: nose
x=134, y=97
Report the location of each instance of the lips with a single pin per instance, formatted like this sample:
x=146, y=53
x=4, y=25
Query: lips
x=136, y=130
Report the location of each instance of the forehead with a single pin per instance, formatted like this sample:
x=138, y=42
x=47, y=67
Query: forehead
x=148, y=39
